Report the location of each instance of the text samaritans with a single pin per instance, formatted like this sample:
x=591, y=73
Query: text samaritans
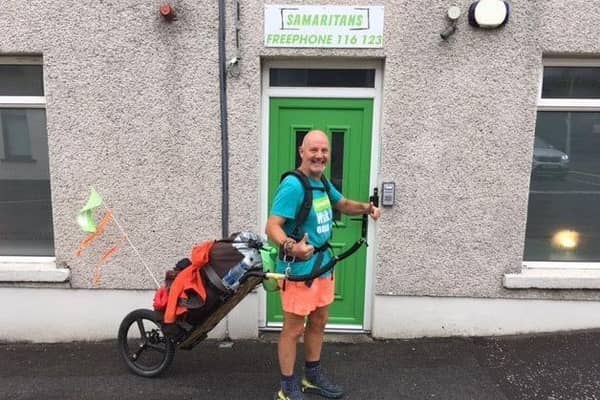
x=355, y=21
x=323, y=26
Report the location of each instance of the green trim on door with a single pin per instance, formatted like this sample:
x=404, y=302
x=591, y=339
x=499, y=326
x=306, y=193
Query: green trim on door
x=348, y=123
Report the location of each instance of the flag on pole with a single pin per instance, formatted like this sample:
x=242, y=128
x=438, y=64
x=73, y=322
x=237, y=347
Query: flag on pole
x=106, y=219
x=107, y=254
x=85, y=218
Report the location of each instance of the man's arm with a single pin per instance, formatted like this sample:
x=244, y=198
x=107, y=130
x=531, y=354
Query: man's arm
x=351, y=207
x=274, y=230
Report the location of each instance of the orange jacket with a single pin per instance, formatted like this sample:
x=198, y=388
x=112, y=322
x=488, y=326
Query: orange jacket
x=187, y=279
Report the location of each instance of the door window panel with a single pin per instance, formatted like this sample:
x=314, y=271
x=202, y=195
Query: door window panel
x=337, y=165
x=300, y=133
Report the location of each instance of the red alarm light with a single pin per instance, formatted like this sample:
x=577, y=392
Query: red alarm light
x=167, y=11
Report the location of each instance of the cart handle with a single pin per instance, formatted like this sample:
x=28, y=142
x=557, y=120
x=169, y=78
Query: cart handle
x=307, y=277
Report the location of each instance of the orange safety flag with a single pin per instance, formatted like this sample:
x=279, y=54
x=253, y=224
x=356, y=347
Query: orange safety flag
x=106, y=219
x=108, y=254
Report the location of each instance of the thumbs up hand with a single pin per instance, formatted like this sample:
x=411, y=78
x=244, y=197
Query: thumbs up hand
x=302, y=250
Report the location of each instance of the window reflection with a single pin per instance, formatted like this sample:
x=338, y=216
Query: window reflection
x=563, y=222
x=21, y=80
x=25, y=202
x=302, y=77
x=571, y=82
x=15, y=132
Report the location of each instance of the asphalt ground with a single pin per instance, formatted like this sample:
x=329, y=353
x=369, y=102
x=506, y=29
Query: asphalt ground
x=550, y=367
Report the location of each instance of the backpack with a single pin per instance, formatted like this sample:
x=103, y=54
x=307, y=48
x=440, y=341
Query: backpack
x=221, y=257
x=308, y=199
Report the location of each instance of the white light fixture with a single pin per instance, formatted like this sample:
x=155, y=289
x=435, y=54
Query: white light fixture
x=489, y=14
x=453, y=14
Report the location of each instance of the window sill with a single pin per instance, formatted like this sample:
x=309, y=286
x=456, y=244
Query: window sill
x=19, y=159
x=553, y=278
x=32, y=269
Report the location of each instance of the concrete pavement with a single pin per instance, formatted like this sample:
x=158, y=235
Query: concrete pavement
x=549, y=367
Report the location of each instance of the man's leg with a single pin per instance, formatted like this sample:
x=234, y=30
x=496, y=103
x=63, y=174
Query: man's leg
x=293, y=327
x=313, y=334
x=315, y=381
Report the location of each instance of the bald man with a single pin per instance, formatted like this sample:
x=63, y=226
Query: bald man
x=304, y=303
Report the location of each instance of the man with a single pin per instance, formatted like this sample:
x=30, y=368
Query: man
x=302, y=300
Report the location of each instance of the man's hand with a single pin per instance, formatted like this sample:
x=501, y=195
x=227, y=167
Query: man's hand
x=374, y=212
x=302, y=250
x=351, y=207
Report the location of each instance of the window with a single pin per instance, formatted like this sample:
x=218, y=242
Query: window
x=299, y=77
x=563, y=220
x=25, y=205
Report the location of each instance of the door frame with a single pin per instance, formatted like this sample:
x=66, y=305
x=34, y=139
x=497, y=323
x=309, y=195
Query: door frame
x=318, y=92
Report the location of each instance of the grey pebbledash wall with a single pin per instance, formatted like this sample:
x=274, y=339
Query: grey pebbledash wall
x=133, y=110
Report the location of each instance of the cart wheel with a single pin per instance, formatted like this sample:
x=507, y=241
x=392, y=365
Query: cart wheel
x=143, y=345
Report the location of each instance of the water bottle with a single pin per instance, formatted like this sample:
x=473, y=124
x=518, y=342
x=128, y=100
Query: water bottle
x=231, y=280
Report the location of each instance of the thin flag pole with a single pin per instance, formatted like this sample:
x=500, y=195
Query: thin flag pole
x=134, y=248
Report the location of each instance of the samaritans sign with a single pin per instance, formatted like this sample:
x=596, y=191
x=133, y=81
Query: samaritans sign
x=324, y=26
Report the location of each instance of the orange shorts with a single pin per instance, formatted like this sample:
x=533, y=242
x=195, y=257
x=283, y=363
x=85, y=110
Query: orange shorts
x=299, y=299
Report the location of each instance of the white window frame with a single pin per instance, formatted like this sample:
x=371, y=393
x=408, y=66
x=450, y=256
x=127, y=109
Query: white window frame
x=558, y=274
x=28, y=268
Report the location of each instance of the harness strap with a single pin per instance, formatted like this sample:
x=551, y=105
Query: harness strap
x=323, y=248
x=317, y=265
x=320, y=252
x=214, y=279
x=193, y=301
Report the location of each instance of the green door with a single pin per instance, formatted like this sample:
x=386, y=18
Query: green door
x=348, y=124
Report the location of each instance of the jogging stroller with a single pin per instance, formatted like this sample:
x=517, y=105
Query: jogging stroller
x=197, y=295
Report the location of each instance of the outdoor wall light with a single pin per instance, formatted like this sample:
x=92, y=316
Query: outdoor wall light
x=453, y=14
x=489, y=14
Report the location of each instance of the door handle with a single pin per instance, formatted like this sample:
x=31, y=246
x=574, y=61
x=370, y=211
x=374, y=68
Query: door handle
x=375, y=198
x=364, y=218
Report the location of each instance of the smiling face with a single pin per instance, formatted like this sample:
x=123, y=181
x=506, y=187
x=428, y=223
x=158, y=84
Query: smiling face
x=314, y=154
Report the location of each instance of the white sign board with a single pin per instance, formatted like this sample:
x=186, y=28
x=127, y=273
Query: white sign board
x=323, y=26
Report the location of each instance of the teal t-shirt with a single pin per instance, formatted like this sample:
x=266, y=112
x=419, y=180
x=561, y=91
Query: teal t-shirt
x=318, y=224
